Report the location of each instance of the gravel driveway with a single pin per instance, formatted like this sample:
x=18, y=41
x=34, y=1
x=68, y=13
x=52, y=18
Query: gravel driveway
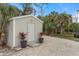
x=52, y=46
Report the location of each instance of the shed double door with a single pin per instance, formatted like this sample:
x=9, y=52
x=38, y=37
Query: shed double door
x=31, y=32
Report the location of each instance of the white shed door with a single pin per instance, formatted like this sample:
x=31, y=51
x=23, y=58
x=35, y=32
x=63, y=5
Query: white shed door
x=30, y=32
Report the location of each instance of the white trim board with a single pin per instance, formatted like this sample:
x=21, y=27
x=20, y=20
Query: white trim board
x=31, y=32
x=18, y=17
x=13, y=33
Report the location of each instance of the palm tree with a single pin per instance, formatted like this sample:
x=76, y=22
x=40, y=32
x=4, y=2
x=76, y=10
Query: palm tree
x=74, y=27
x=6, y=12
x=54, y=17
x=51, y=22
x=55, y=22
x=64, y=21
x=41, y=6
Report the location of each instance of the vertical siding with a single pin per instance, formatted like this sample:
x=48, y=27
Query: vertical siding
x=38, y=30
x=21, y=26
x=10, y=34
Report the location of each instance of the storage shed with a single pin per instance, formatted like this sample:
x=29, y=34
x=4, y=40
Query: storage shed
x=28, y=24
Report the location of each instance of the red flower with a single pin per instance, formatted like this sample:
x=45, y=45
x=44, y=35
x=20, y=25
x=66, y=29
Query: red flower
x=41, y=33
x=22, y=35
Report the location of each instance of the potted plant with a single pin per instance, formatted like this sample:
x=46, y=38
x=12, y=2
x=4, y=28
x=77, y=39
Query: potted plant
x=23, y=42
x=41, y=39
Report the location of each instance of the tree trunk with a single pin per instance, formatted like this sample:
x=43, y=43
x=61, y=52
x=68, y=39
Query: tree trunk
x=2, y=39
x=61, y=30
x=55, y=31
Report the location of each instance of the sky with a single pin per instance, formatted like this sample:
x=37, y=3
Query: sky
x=69, y=8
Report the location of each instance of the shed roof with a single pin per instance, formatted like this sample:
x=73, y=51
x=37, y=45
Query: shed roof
x=18, y=17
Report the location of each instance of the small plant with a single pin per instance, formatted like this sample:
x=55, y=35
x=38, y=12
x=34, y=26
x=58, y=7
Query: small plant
x=41, y=33
x=41, y=38
x=22, y=35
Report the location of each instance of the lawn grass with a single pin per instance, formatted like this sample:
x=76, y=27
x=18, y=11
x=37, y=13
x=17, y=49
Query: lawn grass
x=69, y=36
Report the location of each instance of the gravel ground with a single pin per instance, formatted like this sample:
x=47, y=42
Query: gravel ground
x=52, y=46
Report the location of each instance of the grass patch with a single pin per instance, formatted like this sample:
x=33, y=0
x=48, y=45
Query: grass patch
x=69, y=36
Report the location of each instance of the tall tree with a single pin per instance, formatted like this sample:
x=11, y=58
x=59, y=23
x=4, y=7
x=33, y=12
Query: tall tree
x=64, y=21
x=54, y=17
x=6, y=12
x=57, y=22
x=41, y=6
x=27, y=8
